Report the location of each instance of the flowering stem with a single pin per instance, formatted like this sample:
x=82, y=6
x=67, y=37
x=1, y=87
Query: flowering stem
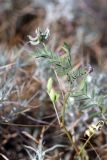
x=56, y=113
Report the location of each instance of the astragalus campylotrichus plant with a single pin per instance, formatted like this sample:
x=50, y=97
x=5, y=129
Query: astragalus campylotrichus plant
x=76, y=79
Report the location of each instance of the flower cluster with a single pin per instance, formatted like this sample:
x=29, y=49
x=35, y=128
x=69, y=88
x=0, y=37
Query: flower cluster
x=41, y=37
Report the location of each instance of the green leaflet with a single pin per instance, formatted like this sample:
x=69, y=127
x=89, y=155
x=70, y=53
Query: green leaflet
x=82, y=98
x=74, y=75
x=103, y=108
x=66, y=47
x=83, y=107
x=83, y=87
x=49, y=85
x=54, y=96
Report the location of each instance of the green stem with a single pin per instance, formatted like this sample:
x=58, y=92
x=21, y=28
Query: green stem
x=56, y=113
x=63, y=108
x=63, y=122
